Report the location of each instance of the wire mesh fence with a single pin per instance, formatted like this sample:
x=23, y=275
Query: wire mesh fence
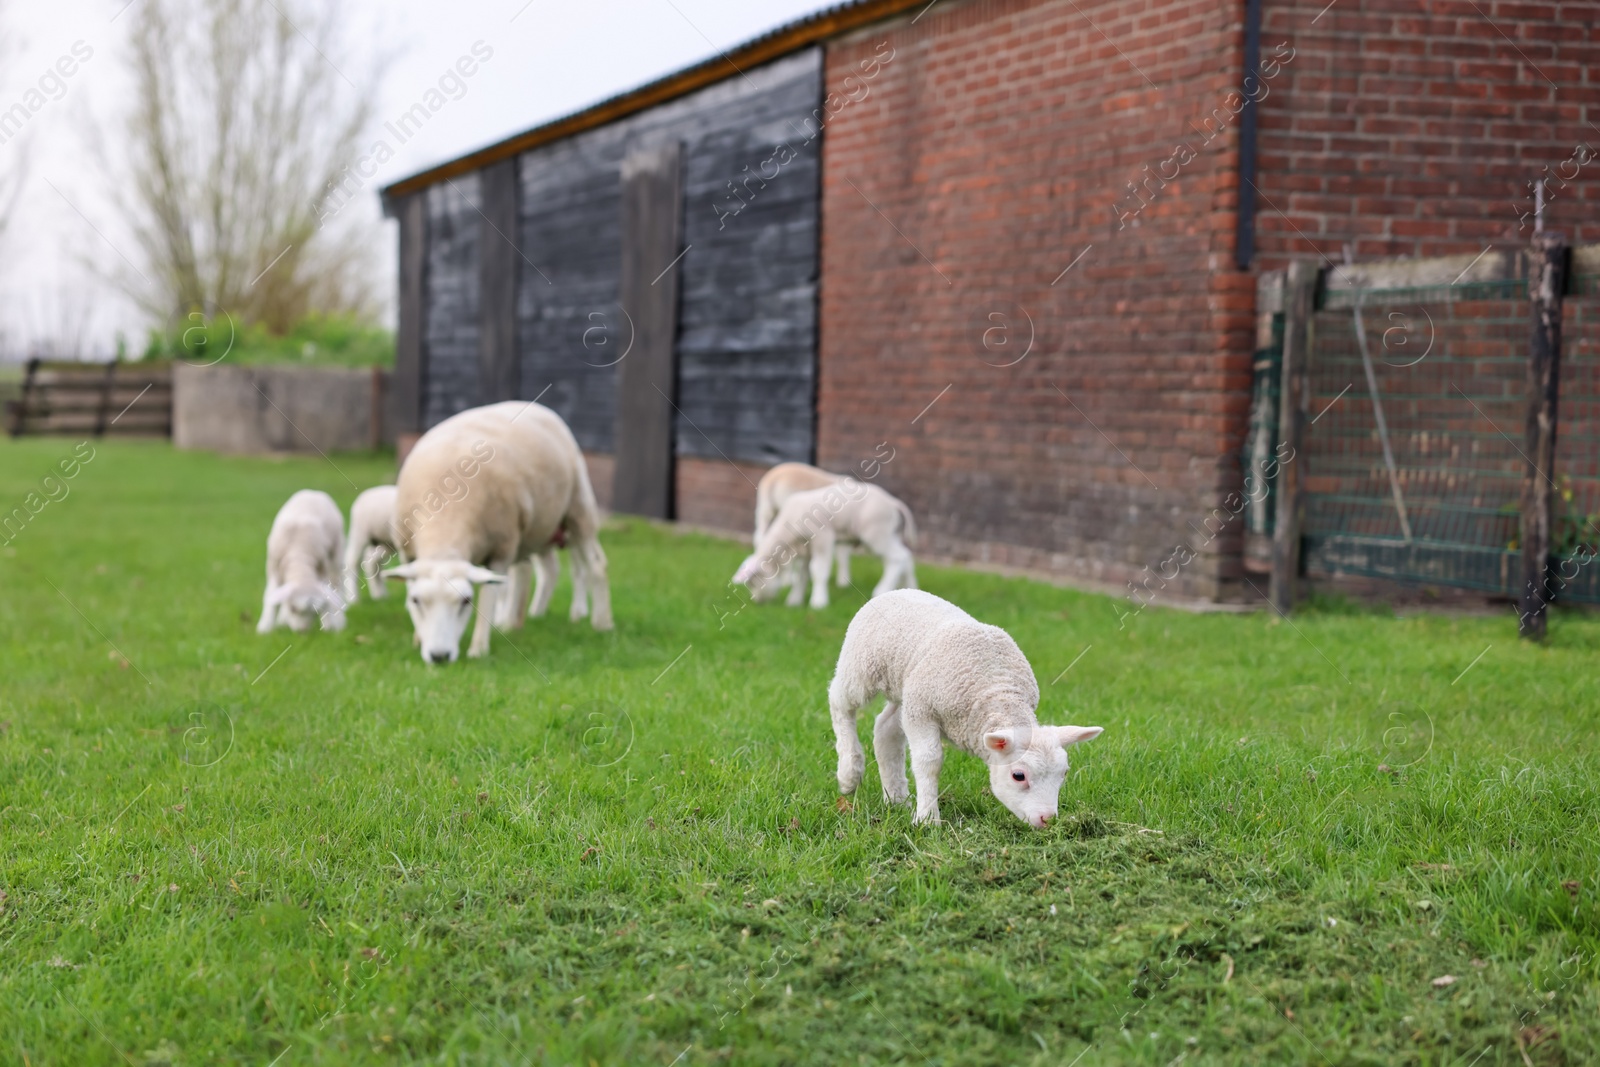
x=1415, y=436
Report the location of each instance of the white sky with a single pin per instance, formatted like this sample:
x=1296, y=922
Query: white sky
x=550, y=57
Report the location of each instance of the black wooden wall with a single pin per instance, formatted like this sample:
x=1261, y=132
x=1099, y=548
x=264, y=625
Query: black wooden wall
x=746, y=346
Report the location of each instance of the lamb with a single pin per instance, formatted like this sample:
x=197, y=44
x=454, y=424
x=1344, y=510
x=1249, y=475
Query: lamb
x=778, y=485
x=947, y=676
x=371, y=541
x=481, y=493
x=815, y=521
x=303, y=560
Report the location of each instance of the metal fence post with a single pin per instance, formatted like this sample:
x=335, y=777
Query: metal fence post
x=1547, y=282
x=1299, y=300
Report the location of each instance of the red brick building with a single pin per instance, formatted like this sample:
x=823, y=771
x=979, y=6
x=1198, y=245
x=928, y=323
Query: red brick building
x=1038, y=227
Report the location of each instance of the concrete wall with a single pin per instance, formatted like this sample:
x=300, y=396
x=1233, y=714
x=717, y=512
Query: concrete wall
x=279, y=409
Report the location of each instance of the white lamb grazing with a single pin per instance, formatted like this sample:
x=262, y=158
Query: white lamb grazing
x=947, y=676
x=371, y=541
x=303, y=560
x=814, y=522
x=480, y=493
x=776, y=487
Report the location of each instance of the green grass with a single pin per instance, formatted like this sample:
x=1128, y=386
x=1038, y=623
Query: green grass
x=624, y=848
x=316, y=341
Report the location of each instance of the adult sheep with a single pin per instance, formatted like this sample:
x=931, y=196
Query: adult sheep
x=480, y=493
x=303, y=550
x=946, y=676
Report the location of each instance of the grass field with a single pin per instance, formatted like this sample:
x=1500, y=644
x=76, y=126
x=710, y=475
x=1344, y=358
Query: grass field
x=624, y=848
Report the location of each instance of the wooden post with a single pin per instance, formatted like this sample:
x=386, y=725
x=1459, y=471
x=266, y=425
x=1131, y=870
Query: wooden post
x=652, y=220
x=1547, y=281
x=499, y=260
x=103, y=411
x=410, y=355
x=1294, y=391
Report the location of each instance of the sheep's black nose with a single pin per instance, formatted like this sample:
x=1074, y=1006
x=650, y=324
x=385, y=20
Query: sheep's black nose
x=439, y=657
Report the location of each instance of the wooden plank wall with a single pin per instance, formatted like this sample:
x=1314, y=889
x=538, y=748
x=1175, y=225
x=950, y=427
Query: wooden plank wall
x=747, y=335
x=652, y=217
x=452, y=283
x=408, y=369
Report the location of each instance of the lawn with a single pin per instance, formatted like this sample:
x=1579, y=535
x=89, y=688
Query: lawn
x=625, y=848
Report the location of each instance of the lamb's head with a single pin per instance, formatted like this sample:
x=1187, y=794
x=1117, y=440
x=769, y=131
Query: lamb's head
x=439, y=598
x=303, y=603
x=764, y=578
x=1028, y=764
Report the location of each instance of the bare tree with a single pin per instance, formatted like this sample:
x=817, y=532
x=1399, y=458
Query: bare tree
x=239, y=125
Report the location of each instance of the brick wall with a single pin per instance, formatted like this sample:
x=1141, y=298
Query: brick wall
x=1413, y=127
x=711, y=493
x=973, y=155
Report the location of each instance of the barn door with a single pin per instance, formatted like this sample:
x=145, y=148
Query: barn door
x=652, y=212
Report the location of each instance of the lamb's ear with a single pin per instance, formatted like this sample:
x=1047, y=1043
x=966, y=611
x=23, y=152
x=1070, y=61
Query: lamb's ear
x=405, y=570
x=1071, y=735
x=484, y=576
x=747, y=570
x=1007, y=741
x=279, y=595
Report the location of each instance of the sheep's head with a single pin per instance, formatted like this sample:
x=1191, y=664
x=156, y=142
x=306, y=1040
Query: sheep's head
x=302, y=604
x=1028, y=764
x=439, y=598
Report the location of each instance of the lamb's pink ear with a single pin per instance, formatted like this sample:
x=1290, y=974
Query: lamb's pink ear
x=405, y=570
x=1071, y=735
x=279, y=595
x=747, y=570
x=1007, y=740
x=484, y=576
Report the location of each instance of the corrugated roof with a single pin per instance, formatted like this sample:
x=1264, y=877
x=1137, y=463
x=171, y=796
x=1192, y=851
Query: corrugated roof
x=775, y=44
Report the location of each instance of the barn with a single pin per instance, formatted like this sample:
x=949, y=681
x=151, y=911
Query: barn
x=1024, y=262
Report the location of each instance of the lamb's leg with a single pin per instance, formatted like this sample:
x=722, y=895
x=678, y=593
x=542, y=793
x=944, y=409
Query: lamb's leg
x=821, y=564
x=352, y=565
x=580, y=592
x=889, y=746
x=372, y=567
x=546, y=573
x=852, y=757
x=898, y=570
x=842, y=566
x=794, y=576
x=587, y=554
x=927, y=759
x=269, y=610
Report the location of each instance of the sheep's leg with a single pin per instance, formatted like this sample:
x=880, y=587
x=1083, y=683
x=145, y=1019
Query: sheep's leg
x=821, y=563
x=580, y=592
x=489, y=597
x=927, y=759
x=898, y=570
x=588, y=556
x=889, y=747
x=514, y=593
x=852, y=757
x=546, y=573
x=842, y=566
x=269, y=610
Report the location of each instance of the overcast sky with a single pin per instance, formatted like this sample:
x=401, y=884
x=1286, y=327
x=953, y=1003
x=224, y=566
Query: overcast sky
x=550, y=57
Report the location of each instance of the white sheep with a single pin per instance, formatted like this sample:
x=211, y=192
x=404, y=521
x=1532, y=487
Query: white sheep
x=947, y=676
x=372, y=540
x=303, y=560
x=480, y=493
x=814, y=522
x=774, y=489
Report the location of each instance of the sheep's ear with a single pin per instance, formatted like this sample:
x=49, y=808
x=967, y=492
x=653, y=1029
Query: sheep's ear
x=747, y=570
x=1007, y=740
x=279, y=595
x=1071, y=735
x=484, y=576
x=405, y=570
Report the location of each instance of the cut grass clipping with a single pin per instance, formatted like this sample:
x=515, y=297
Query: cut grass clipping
x=1349, y=839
